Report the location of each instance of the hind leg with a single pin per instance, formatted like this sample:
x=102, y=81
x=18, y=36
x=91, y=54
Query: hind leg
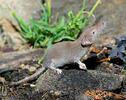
x=53, y=67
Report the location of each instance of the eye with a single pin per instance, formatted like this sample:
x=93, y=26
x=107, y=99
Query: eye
x=93, y=32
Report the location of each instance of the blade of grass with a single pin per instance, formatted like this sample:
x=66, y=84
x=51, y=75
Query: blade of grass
x=94, y=8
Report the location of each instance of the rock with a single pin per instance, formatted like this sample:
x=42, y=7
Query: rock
x=2, y=80
x=111, y=11
x=13, y=60
x=25, y=9
x=32, y=69
x=84, y=97
x=114, y=14
x=74, y=82
x=61, y=7
x=110, y=68
x=9, y=37
x=107, y=40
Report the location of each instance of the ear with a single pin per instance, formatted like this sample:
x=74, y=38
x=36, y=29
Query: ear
x=86, y=42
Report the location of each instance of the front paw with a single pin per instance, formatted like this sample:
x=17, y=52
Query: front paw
x=83, y=66
x=59, y=71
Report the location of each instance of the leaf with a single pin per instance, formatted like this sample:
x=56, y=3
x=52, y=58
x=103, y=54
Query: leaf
x=45, y=32
x=64, y=38
x=60, y=25
x=49, y=8
x=23, y=25
x=49, y=44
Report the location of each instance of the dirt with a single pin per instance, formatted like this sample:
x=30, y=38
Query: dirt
x=112, y=11
x=21, y=59
x=26, y=91
x=21, y=92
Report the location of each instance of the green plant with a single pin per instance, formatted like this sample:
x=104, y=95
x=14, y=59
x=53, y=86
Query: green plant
x=44, y=32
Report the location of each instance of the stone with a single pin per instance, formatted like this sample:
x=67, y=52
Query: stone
x=9, y=37
x=24, y=9
x=61, y=7
x=74, y=82
x=14, y=60
x=111, y=11
x=32, y=69
x=84, y=97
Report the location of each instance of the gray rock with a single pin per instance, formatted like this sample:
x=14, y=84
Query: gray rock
x=83, y=97
x=75, y=82
x=9, y=37
x=112, y=11
x=12, y=60
x=22, y=8
x=61, y=7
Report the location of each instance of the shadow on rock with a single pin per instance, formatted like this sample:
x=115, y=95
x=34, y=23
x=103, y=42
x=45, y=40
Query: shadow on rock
x=72, y=83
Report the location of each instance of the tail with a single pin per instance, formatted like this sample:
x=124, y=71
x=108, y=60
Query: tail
x=30, y=78
x=3, y=70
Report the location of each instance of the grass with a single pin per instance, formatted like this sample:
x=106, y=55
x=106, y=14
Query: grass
x=44, y=32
